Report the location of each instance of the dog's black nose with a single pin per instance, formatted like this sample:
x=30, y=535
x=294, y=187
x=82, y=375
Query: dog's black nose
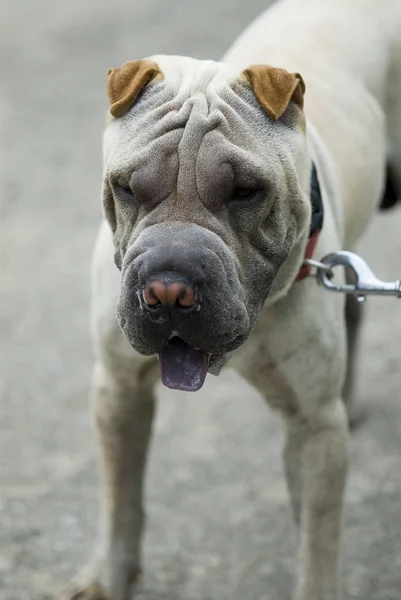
x=170, y=291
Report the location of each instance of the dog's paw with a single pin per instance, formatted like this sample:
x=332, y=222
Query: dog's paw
x=85, y=589
x=93, y=591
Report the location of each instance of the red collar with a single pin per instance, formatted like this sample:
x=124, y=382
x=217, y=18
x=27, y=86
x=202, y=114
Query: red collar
x=304, y=271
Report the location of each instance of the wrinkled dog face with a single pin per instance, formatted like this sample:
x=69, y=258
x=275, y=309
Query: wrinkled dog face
x=206, y=188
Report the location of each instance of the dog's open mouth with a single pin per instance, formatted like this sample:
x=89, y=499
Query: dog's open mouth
x=183, y=367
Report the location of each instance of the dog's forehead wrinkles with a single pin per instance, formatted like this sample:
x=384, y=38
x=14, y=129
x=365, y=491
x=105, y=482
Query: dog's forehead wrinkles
x=148, y=131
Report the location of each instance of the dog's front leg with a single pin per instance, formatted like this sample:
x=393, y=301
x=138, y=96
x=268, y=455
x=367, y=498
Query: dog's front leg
x=297, y=359
x=123, y=408
x=315, y=459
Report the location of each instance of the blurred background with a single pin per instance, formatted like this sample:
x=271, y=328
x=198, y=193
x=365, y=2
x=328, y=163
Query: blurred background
x=219, y=520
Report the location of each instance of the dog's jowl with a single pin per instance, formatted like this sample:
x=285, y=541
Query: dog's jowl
x=213, y=176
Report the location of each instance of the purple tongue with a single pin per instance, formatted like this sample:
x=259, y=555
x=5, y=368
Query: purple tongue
x=182, y=367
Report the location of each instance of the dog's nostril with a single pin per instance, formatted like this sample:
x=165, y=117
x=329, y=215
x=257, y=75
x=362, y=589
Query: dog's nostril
x=173, y=293
x=150, y=297
x=186, y=297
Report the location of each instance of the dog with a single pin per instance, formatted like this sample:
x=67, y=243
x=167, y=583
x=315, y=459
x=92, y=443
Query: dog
x=219, y=179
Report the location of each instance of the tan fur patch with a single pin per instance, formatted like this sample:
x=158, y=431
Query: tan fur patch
x=275, y=88
x=125, y=84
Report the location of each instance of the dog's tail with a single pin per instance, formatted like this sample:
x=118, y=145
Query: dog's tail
x=391, y=195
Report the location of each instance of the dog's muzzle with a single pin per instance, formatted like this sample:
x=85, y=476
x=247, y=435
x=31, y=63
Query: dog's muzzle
x=181, y=298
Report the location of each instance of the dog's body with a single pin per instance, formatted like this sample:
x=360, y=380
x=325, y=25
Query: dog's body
x=349, y=54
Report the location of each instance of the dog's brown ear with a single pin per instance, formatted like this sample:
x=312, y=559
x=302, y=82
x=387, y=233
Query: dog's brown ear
x=125, y=84
x=275, y=88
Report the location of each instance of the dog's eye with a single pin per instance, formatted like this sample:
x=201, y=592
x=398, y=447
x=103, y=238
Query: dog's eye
x=243, y=194
x=123, y=192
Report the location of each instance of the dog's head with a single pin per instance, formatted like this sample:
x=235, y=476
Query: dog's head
x=206, y=189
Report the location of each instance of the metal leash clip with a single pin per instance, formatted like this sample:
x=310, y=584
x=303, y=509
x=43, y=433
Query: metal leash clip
x=365, y=281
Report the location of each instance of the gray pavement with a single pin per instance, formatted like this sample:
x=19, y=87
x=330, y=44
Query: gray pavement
x=219, y=522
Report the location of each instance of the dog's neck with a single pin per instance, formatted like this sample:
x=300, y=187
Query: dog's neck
x=293, y=270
